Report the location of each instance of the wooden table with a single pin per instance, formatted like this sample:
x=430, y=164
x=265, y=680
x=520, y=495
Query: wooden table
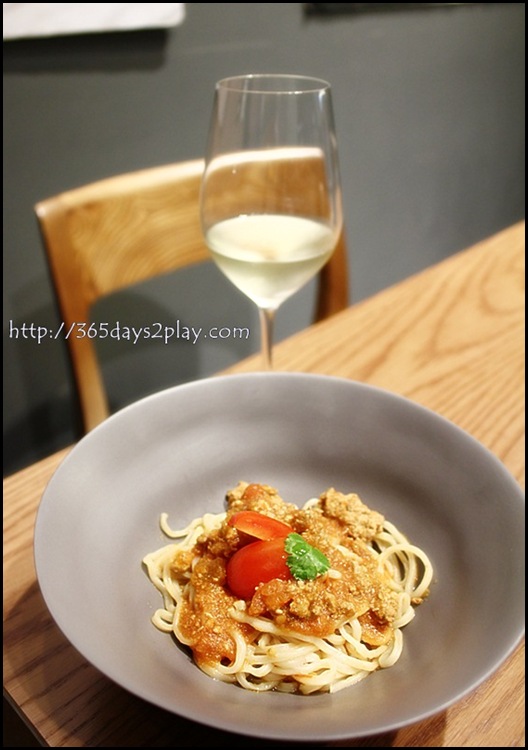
x=451, y=338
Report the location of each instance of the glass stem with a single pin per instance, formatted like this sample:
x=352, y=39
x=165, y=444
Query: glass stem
x=267, y=318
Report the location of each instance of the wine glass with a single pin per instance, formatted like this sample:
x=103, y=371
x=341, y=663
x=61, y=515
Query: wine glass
x=271, y=198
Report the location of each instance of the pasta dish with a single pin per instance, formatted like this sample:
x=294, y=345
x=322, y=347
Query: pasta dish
x=271, y=596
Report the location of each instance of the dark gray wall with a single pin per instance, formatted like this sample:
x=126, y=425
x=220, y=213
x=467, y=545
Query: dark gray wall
x=430, y=118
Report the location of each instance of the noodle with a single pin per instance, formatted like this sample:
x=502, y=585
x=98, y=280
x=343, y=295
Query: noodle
x=266, y=653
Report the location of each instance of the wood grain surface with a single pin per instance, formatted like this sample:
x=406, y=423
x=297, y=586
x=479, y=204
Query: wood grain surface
x=450, y=338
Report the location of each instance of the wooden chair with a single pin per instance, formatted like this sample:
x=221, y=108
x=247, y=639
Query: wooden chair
x=122, y=230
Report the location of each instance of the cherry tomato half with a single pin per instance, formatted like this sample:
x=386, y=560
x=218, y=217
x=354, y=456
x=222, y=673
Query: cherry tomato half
x=258, y=562
x=258, y=525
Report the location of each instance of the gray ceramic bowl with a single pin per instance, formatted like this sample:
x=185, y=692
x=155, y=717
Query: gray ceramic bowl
x=180, y=450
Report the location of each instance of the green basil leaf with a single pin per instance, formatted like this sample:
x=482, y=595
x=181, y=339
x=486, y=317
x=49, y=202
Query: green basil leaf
x=304, y=561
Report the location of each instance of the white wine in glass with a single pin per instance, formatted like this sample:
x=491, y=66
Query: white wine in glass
x=271, y=197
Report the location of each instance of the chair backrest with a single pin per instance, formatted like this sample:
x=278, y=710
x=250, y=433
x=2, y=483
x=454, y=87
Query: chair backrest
x=122, y=230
